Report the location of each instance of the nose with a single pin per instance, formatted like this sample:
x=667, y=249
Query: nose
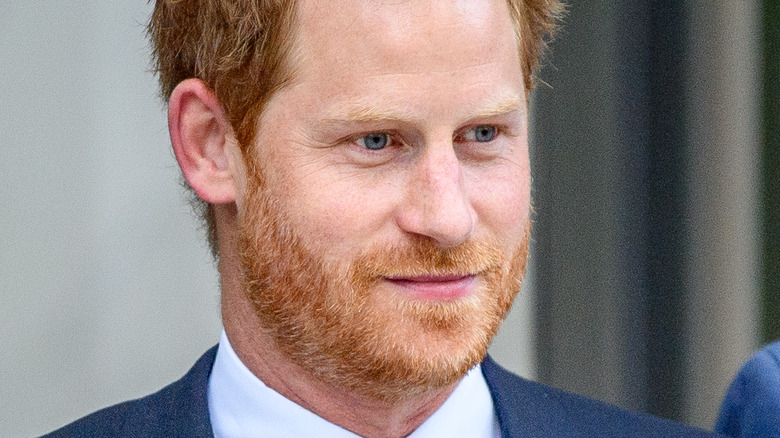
x=436, y=204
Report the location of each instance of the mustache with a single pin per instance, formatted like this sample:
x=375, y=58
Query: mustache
x=422, y=257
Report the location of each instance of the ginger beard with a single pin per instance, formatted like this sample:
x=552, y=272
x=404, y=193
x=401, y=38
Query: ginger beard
x=344, y=325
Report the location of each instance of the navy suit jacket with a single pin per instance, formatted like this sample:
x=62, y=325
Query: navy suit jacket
x=752, y=404
x=524, y=409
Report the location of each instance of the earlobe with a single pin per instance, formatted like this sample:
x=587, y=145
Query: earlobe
x=202, y=139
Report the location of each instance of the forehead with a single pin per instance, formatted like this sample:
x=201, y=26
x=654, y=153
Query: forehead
x=426, y=58
x=405, y=36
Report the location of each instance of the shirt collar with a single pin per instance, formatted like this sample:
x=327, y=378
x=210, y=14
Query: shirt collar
x=242, y=406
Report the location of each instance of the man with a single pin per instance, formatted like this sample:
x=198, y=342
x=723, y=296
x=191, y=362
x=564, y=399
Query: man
x=365, y=173
x=752, y=404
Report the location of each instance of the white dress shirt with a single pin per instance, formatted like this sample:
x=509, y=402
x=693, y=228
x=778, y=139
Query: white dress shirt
x=242, y=406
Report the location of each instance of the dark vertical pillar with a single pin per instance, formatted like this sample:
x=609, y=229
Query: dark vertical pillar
x=634, y=129
x=770, y=303
x=666, y=231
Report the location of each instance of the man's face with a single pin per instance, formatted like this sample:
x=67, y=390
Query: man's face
x=385, y=214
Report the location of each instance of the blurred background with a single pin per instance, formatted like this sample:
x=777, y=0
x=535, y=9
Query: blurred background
x=656, y=254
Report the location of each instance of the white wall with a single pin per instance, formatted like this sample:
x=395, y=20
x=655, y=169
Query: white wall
x=107, y=291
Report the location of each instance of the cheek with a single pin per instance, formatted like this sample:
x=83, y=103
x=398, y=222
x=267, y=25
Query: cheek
x=501, y=197
x=339, y=213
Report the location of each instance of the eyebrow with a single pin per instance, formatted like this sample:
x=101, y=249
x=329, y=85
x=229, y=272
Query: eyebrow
x=503, y=105
x=367, y=114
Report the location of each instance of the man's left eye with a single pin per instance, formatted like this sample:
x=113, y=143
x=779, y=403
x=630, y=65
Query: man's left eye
x=481, y=134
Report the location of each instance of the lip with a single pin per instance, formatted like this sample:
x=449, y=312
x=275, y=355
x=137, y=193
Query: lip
x=436, y=287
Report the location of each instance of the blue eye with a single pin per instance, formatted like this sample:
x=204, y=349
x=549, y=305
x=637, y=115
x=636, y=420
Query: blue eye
x=374, y=141
x=482, y=133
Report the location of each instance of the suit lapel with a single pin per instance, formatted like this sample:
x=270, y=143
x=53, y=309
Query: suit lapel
x=188, y=404
x=520, y=405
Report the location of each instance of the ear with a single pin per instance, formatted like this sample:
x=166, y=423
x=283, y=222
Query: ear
x=202, y=139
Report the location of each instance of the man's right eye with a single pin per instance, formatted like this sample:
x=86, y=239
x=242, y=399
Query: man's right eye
x=375, y=141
